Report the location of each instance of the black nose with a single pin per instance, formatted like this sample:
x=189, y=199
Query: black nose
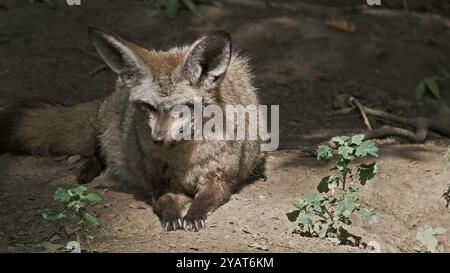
x=158, y=140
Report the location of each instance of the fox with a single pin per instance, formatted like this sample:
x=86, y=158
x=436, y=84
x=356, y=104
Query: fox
x=127, y=134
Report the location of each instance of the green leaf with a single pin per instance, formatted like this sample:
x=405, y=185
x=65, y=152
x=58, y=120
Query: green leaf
x=77, y=205
x=354, y=193
x=433, y=86
x=367, y=215
x=344, y=223
x=420, y=91
x=323, y=185
x=346, y=152
x=346, y=205
x=440, y=230
x=340, y=140
x=62, y=195
x=93, y=197
x=299, y=203
x=293, y=215
x=334, y=240
x=342, y=165
x=80, y=190
x=323, y=230
x=51, y=216
x=425, y=234
x=313, y=197
x=306, y=219
x=367, y=147
x=317, y=206
x=328, y=183
x=324, y=153
x=357, y=139
x=190, y=5
x=91, y=218
x=367, y=172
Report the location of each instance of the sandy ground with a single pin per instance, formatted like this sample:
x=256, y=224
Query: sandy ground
x=299, y=63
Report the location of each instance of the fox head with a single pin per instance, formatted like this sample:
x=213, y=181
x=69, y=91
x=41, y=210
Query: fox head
x=159, y=82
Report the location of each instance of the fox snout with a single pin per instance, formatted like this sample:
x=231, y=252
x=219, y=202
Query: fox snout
x=162, y=127
x=158, y=139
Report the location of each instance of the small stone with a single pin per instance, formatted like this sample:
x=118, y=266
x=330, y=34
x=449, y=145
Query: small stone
x=258, y=246
x=73, y=247
x=245, y=230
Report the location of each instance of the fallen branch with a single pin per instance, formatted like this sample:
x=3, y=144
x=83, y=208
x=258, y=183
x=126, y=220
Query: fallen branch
x=417, y=131
x=419, y=136
x=439, y=123
x=358, y=105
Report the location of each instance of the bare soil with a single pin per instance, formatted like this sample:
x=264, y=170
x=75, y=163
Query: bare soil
x=300, y=64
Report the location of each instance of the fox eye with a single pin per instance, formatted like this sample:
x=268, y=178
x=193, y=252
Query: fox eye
x=146, y=108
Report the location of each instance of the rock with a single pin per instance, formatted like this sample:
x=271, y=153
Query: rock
x=258, y=246
x=73, y=247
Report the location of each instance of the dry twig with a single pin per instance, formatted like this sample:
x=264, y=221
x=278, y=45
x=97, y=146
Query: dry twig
x=358, y=105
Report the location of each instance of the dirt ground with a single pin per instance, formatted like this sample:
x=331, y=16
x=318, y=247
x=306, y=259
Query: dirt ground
x=300, y=64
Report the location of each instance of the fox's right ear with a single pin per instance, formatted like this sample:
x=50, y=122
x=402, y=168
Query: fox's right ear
x=119, y=56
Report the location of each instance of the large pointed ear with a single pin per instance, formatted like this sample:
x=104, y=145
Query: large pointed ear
x=119, y=55
x=208, y=59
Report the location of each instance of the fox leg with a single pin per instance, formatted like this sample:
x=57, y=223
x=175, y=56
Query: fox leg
x=169, y=209
x=208, y=198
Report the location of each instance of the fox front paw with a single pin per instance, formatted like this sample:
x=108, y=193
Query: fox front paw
x=172, y=224
x=171, y=220
x=194, y=220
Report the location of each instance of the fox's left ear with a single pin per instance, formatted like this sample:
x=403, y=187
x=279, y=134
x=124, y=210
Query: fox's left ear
x=208, y=59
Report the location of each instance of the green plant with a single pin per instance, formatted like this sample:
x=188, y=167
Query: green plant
x=431, y=85
x=326, y=213
x=172, y=7
x=426, y=235
x=75, y=209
